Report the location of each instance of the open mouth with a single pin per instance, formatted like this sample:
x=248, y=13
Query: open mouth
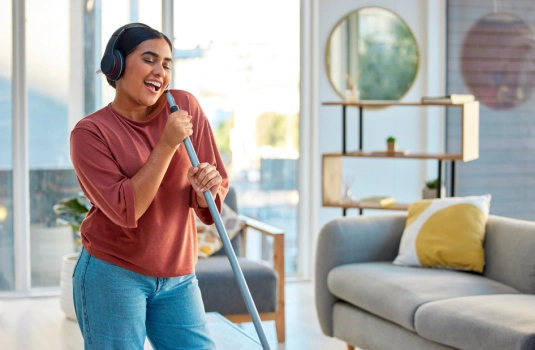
x=154, y=85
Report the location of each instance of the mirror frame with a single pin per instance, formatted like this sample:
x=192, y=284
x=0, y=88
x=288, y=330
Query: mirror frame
x=337, y=25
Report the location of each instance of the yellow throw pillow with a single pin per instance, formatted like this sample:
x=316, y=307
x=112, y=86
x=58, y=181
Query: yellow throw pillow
x=208, y=239
x=445, y=232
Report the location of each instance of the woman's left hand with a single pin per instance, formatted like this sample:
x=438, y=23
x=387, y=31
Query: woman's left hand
x=203, y=178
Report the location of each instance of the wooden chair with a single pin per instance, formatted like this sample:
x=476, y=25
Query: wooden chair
x=266, y=282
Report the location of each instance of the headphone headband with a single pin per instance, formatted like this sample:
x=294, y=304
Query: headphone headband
x=112, y=63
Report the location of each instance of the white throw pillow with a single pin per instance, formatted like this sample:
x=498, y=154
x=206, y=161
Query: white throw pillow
x=445, y=232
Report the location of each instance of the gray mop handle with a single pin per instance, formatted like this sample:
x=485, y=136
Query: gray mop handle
x=240, y=279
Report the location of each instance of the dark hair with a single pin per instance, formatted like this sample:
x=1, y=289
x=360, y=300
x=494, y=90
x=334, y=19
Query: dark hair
x=129, y=40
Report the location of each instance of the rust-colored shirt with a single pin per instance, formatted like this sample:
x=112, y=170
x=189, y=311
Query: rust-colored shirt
x=107, y=149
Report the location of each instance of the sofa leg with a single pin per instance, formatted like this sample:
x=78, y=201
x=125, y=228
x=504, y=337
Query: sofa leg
x=350, y=347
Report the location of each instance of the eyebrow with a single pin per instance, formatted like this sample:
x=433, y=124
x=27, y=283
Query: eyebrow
x=154, y=54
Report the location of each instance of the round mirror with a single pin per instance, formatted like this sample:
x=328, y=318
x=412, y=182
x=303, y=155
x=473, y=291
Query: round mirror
x=372, y=55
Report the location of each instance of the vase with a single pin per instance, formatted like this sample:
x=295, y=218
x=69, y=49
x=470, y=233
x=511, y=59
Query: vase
x=352, y=95
x=65, y=298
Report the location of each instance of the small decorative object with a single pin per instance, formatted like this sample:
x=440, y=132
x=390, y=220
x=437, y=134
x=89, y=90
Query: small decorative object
x=347, y=196
x=391, y=144
x=352, y=93
x=430, y=190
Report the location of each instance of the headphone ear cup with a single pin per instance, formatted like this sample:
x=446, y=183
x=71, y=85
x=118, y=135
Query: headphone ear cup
x=118, y=70
x=107, y=64
x=112, y=63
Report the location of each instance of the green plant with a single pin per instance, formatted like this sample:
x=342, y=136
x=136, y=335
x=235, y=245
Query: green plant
x=72, y=210
x=431, y=184
x=391, y=139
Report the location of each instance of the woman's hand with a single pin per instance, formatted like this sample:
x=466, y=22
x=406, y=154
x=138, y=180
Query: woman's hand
x=203, y=178
x=177, y=128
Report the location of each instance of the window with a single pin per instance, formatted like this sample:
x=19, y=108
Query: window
x=51, y=173
x=244, y=70
x=6, y=149
x=246, y=80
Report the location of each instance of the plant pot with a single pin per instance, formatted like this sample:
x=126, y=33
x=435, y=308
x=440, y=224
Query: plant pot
x=430, y=193
x=65, y=298
x=391, y=146
x=48, y=246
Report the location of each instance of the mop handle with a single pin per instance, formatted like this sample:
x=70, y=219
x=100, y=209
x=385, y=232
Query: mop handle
x=240, y=279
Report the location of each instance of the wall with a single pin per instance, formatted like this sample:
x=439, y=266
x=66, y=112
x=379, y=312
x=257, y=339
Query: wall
x=411, y=125
x=491, y=53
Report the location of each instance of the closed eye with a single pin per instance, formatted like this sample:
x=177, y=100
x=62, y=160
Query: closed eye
x=150, y=61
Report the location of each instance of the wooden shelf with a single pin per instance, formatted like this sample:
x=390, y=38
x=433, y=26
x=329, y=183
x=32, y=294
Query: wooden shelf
x=386, y=103
x=395, y=206
x=332, y=172
x=440, y=156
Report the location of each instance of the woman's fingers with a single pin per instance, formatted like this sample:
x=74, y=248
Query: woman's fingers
x=204, y=177
x=178, y=127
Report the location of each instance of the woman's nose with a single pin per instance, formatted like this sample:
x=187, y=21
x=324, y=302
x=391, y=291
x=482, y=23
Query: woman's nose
x=159, y=70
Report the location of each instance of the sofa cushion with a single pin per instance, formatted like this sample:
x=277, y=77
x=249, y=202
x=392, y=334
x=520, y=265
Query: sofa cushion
x=445, y=232
x=395, y=292
x=220, y=291
x=367, y=331
x=486, y=322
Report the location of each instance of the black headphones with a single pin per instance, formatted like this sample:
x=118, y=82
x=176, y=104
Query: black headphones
x=112, y=63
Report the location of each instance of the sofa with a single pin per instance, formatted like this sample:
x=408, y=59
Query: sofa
x=365, y=300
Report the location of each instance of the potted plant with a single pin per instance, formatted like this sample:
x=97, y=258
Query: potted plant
x=430, y=189
x=391, y=144
x=72, y=211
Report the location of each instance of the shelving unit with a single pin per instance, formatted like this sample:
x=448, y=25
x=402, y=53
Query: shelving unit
x=332, y=162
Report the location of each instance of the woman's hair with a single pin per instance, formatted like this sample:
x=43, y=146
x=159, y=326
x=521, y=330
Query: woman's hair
x=129, y=40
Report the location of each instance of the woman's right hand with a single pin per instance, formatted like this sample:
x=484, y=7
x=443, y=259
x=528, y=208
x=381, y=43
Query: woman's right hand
x=177, y=128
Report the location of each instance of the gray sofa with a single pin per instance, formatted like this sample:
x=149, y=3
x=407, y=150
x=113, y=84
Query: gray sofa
x=368, y=302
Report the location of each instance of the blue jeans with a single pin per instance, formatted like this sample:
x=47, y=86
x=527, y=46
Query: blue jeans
x=117, y=308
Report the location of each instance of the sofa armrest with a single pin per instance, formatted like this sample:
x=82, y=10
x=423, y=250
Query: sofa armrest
x=350, y=240
x=509, y=248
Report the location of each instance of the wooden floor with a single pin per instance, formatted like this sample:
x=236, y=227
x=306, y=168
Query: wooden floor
x=39, y=323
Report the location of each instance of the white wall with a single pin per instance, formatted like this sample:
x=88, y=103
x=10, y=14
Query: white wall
x=411, y=125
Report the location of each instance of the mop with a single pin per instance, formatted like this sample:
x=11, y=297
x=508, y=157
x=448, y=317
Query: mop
x=238, y=274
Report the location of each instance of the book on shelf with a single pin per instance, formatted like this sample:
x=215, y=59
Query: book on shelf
x=377, y=201
x=453, y=98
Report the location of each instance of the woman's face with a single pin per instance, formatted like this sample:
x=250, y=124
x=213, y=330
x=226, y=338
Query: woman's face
x=147, y=73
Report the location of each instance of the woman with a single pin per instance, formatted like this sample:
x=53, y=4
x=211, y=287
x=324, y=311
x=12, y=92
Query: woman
x=135, y=275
